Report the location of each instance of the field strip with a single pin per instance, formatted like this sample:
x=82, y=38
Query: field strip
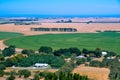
x=2, y=46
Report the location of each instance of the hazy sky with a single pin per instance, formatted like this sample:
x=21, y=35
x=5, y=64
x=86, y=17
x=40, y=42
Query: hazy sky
x=60, y=7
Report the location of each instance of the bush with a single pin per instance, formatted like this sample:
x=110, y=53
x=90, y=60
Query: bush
x=12, y=77
x=95, y=63
x=36, y=77
x=67, y=52
x=2, y=58
x=9, y=51
x=24, y=73
x=81, y=61
x=1, y=73
x=64, y=76
x=45, y=49
x=27, y=52
x=68, y=67
x=2, y=66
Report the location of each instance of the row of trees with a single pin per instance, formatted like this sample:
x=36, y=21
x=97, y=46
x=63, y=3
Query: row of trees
x=55, y=29
x=64, y=76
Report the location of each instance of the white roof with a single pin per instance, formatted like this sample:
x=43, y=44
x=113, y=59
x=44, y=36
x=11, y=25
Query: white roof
x=41, y=64
x=104, y=53
x=80, y=56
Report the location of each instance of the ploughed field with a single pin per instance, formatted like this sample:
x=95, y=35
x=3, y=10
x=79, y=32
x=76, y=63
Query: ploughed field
x=7, y=35
x=104, y=40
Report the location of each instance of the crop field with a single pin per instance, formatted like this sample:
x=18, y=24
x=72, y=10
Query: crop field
x=7, y=35
x=104, y=40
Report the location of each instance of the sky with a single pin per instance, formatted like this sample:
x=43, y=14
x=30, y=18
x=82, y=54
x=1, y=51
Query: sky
x=60, y=7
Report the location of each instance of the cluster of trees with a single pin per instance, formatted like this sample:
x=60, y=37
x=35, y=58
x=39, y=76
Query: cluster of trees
x=112, y=64
x=45, y=49
x=67, y=52
x=55, y=29
x=9, y=51
x=12, y=74
x=14, y=60
x=63, y=21
x=93, y=53
x=31, y=59
x=64, y=76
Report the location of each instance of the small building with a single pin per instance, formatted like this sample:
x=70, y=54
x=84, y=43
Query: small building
x=81, y=56
x=104, y=53
x=40, y=65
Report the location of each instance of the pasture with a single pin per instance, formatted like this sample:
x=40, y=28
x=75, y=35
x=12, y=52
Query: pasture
x=105, y=40
x=7, y=35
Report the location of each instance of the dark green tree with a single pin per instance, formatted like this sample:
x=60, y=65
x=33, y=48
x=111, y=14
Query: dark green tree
x=12, y=77
x=2, y=73
x=2, y=66
x=9, y=51
x=24, y=73
x=45, y=49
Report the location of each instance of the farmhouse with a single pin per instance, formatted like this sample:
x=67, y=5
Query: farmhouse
x=81, y=56
x=55, y=29
x=104, y=53
x=41, y=65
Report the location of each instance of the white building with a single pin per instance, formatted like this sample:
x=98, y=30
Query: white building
x=81, y=56
x=104, y=53
x=40, y=65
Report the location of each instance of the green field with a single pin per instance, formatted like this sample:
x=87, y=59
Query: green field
x=105, y=41
x=7, y=35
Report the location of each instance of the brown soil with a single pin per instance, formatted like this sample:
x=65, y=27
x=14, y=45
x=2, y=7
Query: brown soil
x=93, y=72
x=81, y=27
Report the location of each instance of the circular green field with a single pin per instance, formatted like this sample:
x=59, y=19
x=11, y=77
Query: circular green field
x=7, y=35
x=105, y=41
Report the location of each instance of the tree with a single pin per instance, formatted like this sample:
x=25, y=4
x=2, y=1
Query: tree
x=74, y=50
x=85, y=51
x=9, y=51
x=24, y=73
x=11, y=61
x=12, y=77
x=2, y=58
x=67, y=52
x=45, y=49
x=81, y=61
x=95, y=63
x=36, y=77
x=98, y=52
x=1, y=73
x=27, y=52
x=2, y=66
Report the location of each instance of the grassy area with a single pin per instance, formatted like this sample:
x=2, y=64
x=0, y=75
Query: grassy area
x=6, y=35
x=106, y=40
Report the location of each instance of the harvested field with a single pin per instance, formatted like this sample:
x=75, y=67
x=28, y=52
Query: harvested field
x=93, y=72
x=81, y=27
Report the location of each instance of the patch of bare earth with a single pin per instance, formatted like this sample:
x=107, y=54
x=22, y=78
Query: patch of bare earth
x=81, y=27
x=93, y=72
x=2, y=46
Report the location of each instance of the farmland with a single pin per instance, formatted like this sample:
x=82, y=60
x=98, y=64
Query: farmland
x=6, y=35
x=104, y=40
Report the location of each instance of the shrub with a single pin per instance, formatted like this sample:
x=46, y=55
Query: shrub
x=9, y=51
x=95, y=63
x=27, y=52
x=45, y=49
x=2, y=66
x=36, y=77
x=1, y=73
x=81, y=61
x=24, y=73
x=12, y=77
